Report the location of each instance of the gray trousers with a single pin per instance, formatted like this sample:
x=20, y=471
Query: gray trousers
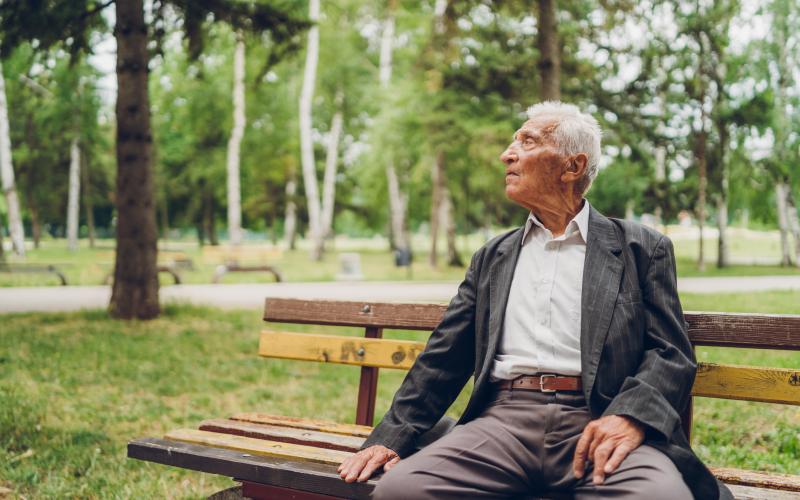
x=522, y=446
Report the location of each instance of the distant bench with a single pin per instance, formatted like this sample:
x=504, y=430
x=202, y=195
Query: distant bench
x=276, y=456
x=242, y=259
x=8, y=268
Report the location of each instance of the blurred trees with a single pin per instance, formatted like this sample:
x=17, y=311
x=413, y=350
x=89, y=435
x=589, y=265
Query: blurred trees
x=412, y=104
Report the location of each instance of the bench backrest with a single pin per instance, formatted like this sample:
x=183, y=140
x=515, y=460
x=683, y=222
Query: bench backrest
x=759, y=331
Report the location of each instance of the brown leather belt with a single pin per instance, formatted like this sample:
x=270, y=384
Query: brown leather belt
x=542, y=383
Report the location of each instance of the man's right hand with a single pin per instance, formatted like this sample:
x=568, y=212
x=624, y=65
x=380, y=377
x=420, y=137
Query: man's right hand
x=362, y=465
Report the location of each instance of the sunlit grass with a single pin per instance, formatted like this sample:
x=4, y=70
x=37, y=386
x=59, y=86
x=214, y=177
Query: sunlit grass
x=74, y=388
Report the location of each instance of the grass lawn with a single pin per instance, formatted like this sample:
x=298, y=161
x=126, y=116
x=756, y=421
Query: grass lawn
x=74, y=388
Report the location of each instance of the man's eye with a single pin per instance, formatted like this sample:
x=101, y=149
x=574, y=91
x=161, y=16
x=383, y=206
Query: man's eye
x=528, y=142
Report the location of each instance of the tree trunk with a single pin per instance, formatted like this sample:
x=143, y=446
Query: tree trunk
x=88, y=207
x=33, y=210
x=208, y=216
x=397, y=198
x=73, y=203
x=329, y=181
x=135, y=290
x=437, y=200
x=783, y=224
x=794, y=223
x=701, y=200
x=549, y=56
x=2, y=248
x=7, y=175
x=306, y=144
x=722, y=226
x=449, y=223
x=290, y=222
x=661, y=176
x=234, y=145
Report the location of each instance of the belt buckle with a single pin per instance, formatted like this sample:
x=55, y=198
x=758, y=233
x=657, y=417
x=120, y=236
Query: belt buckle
x=541, y=383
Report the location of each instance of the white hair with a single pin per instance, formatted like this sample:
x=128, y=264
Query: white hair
x=574, y=132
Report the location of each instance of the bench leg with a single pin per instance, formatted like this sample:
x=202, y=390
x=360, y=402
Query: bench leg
x=259, y=491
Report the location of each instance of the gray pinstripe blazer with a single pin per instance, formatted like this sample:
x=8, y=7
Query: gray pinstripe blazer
x=636, y=359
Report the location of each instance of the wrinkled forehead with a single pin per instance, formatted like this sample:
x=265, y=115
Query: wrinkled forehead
x=538, y=126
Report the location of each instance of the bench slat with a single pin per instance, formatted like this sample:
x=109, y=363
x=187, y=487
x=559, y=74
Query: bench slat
x=771, y=480
x=284, y=434
x=761, y=331
x=308, y=476
x=305, y=423
x=259, y=446
x=380, y=353
x=750, y=383
x=353, y=313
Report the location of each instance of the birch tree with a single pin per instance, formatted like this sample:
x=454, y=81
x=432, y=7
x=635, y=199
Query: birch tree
x=306, y=140
x=398, y=200
x=331, y=162
x=7, y=174
x=73, y=202
x=234, y=145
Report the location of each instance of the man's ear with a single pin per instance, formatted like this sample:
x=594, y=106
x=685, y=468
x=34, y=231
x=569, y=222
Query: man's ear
x=575, y=168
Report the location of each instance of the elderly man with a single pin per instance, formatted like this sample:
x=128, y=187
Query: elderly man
x=572, y=328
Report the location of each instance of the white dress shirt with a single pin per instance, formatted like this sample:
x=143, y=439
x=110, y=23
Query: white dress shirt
x=542, y=325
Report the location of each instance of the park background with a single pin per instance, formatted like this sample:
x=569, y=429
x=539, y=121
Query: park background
x=184, y=134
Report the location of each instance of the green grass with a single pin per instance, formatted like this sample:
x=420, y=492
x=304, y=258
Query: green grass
x=74, y=388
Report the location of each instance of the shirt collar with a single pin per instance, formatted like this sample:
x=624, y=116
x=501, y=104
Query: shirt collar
x=578, y=223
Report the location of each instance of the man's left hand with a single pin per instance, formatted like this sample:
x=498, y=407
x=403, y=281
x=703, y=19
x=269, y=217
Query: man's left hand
x=606, y=442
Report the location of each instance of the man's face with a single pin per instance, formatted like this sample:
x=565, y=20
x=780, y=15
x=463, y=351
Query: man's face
x=533, y=164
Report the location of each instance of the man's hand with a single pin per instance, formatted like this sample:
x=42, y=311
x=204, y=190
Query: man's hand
x=606, y=442
x=364, y=463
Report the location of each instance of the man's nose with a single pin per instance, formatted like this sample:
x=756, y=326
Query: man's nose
x=508, y=156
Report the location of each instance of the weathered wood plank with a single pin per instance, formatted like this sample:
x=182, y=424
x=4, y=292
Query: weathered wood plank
x=762, y=331
x=262, y=447
x=750, y=383
x=293, y=435
x=381, y=353
x=784, y=482
x=305, y=423
x=353, y=313
x=309, y=476
x=751, y=493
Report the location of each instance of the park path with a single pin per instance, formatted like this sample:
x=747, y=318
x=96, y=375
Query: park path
x=251, y=296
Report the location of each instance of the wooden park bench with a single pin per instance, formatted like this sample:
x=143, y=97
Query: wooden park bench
x=242, y=259
x=8, y=268
x=276, y=456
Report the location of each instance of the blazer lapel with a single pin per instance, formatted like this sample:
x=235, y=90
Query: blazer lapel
x=602, y=272
x=501, y=273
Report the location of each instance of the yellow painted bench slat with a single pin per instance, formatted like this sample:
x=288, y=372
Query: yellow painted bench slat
x=380, y=353
x=255, y=446
x=750, y=383
x=305, y=423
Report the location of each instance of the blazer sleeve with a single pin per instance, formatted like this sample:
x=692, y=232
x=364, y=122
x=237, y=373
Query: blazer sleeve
x=660, y=389
x=437, y=376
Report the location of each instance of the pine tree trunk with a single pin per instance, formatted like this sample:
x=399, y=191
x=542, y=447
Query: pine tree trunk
x=234, y=145
x=7, y=175
x=88, y=207
x=549, y=55
x=783, y=223
x=329, y=180
x=73, y=203
x=306, y=144
x=135, y=290
x=290, y=221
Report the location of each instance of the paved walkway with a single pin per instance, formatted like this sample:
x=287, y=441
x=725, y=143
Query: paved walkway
x=251, y=296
